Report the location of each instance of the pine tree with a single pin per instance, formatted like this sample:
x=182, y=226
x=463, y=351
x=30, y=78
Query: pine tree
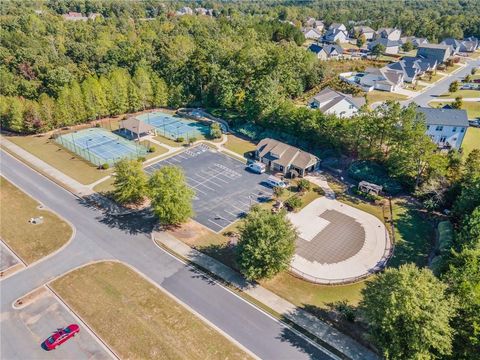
x=119, y=79
x=94, y=98
x=47, y=111
x=134, y=101
x=63, y=113
x=160, y=92
x=143, y=82
x=76, y=103
x=108, y=91
x=15, y=114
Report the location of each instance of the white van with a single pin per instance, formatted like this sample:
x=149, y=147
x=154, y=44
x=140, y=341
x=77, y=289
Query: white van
x=276, y=182
x=257, y=167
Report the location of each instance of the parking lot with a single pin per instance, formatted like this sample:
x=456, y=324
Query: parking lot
x=28, y=327
x=225, y=190
x=7, y=259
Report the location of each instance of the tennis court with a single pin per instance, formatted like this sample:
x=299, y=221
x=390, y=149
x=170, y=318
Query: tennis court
x=100, y=146
x=174, y=126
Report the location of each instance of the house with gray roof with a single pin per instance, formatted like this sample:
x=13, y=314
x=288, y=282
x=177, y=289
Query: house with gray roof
x=446, y=127
x=460, y=46
x=311, y=33
x=326, y=51
x=413, y=67
x=366, y=31
x=391, y=46
x=333, y=102
x=336, y=35
x=416, y=41
x=437, y=52
x=388, y=33
x=284, y=158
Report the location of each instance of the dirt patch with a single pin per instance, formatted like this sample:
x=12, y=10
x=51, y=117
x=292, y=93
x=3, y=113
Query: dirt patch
x=190, y=232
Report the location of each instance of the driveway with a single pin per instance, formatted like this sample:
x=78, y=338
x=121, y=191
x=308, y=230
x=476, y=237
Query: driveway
x=127, y=239
x=441, y=86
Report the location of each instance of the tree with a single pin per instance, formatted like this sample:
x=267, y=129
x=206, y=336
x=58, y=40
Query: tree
x=160, y=92
x=141, y=79
x=47, y=111
x=95, y=99
x=378, y=50
x=458, y=103
x=130, y=182
x=463, y=279
x=278, y=191
x=454, y=86
x=408, y=313
x=266, y=245
x=119, y=80
x=469, y=197
x=303, y=185
x=361, y=40
x=215, y=130
x=468, y=235
x=15, y=110
x=170, y=196
x=408, y=46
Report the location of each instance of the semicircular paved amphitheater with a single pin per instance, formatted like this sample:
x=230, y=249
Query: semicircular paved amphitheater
x=338, y=243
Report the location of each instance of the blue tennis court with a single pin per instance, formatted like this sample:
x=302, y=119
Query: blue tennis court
x=100, y=146
x=174, y=126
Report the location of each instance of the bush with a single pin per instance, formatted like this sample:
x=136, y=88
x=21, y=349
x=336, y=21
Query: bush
x=445, y=236
x=278, y=191
x=151, y=149
x=105, y=166
x=293, y=203
x=192, y=139
x=97, y=125
x=180, y=139
x=141, y=159
x=347, y=311
x=303, y=185
x=374, y=173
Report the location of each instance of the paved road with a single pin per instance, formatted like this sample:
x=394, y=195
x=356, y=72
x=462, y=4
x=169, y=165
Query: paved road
x=99, y=236
x=441, y=87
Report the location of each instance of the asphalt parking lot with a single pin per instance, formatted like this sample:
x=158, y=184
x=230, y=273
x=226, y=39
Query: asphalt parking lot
x=30, y=326
x=225, y=190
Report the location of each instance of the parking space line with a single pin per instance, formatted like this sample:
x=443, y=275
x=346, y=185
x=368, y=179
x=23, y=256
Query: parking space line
x=220, y=226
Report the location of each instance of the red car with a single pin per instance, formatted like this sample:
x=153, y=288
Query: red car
x=60, y=336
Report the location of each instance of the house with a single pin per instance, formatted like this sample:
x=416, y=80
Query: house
x=413, y=67
x=185, y=11
x=460, y=46
x=437, y=52
x=416, y=41
x=203, y=11
x=310, y=22
x=336, y=33
x=388, y=33
x=285, y=158
x=94, y=16
x=391, y=46
x=312, y=34
x=446, y=127
x=74, y=16
x=329, y=101
x=326, y=51
x=366, y=31
x=384, y=79
x=319, y=25
x=338, y=27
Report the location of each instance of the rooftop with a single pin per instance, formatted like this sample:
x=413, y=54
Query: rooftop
x=449, y=117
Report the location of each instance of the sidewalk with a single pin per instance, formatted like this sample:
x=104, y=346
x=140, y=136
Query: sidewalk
x=72, y=184
x=344, y=344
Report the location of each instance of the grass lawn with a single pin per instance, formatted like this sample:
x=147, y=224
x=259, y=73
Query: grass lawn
x=451, y=69
x=376, y=95
x=472, y=107
x=239, y=145
x=159, y=150
x=463, y=94
x=104, y=186
x=416, y=87
x=138, y=320
x=434, y=78
x=30, y=242
x=168, y=141
x=70, y=164
x=471, y=140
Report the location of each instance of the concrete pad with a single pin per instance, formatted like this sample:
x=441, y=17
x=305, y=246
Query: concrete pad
x=7, y=259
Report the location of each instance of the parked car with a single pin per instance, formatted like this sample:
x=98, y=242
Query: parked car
x=60, y=336
x=257, y=167
x=474, y=123
x=276, y=182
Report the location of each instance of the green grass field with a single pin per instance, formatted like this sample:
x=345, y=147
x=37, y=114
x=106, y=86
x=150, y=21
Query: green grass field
x=70, y=164
x=376, y=96
x=239, y=145
x=462, y=93
x=31, y=242
x=138, y=320
x=471, y=140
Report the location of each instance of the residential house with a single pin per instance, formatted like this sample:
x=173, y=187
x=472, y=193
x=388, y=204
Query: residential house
x=76, y=16
x=413, y=67
x=329, y=101
x=312, y=33
x=366, y=31
x=285, y=158
x=384, y=79
x=326, y=51
x=416, y=41
x=185, y=11
x=336, y=33
x=310, y=22
x=460, y=46
x=389, y=33
x=437, y=52
x=391, y=46
x=203, y=11
x=319, y=25
x=446, y=127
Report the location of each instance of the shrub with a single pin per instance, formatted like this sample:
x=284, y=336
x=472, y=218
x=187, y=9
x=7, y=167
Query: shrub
x=151, y=149
x=105, y=166
x=303, y=185
x=180, y=139
x=215, y=130
x=278, y=191
x=142, y=159
x=97, y=125
x=293, y=203
x=192, y=139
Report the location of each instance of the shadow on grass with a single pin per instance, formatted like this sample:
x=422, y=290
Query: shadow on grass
x=416, y=234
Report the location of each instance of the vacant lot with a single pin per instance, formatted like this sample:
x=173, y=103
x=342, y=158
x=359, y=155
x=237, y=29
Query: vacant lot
x=471, y=140
x=138, y=320
x=472, y=107
x=70, y=164
x=30, y=242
